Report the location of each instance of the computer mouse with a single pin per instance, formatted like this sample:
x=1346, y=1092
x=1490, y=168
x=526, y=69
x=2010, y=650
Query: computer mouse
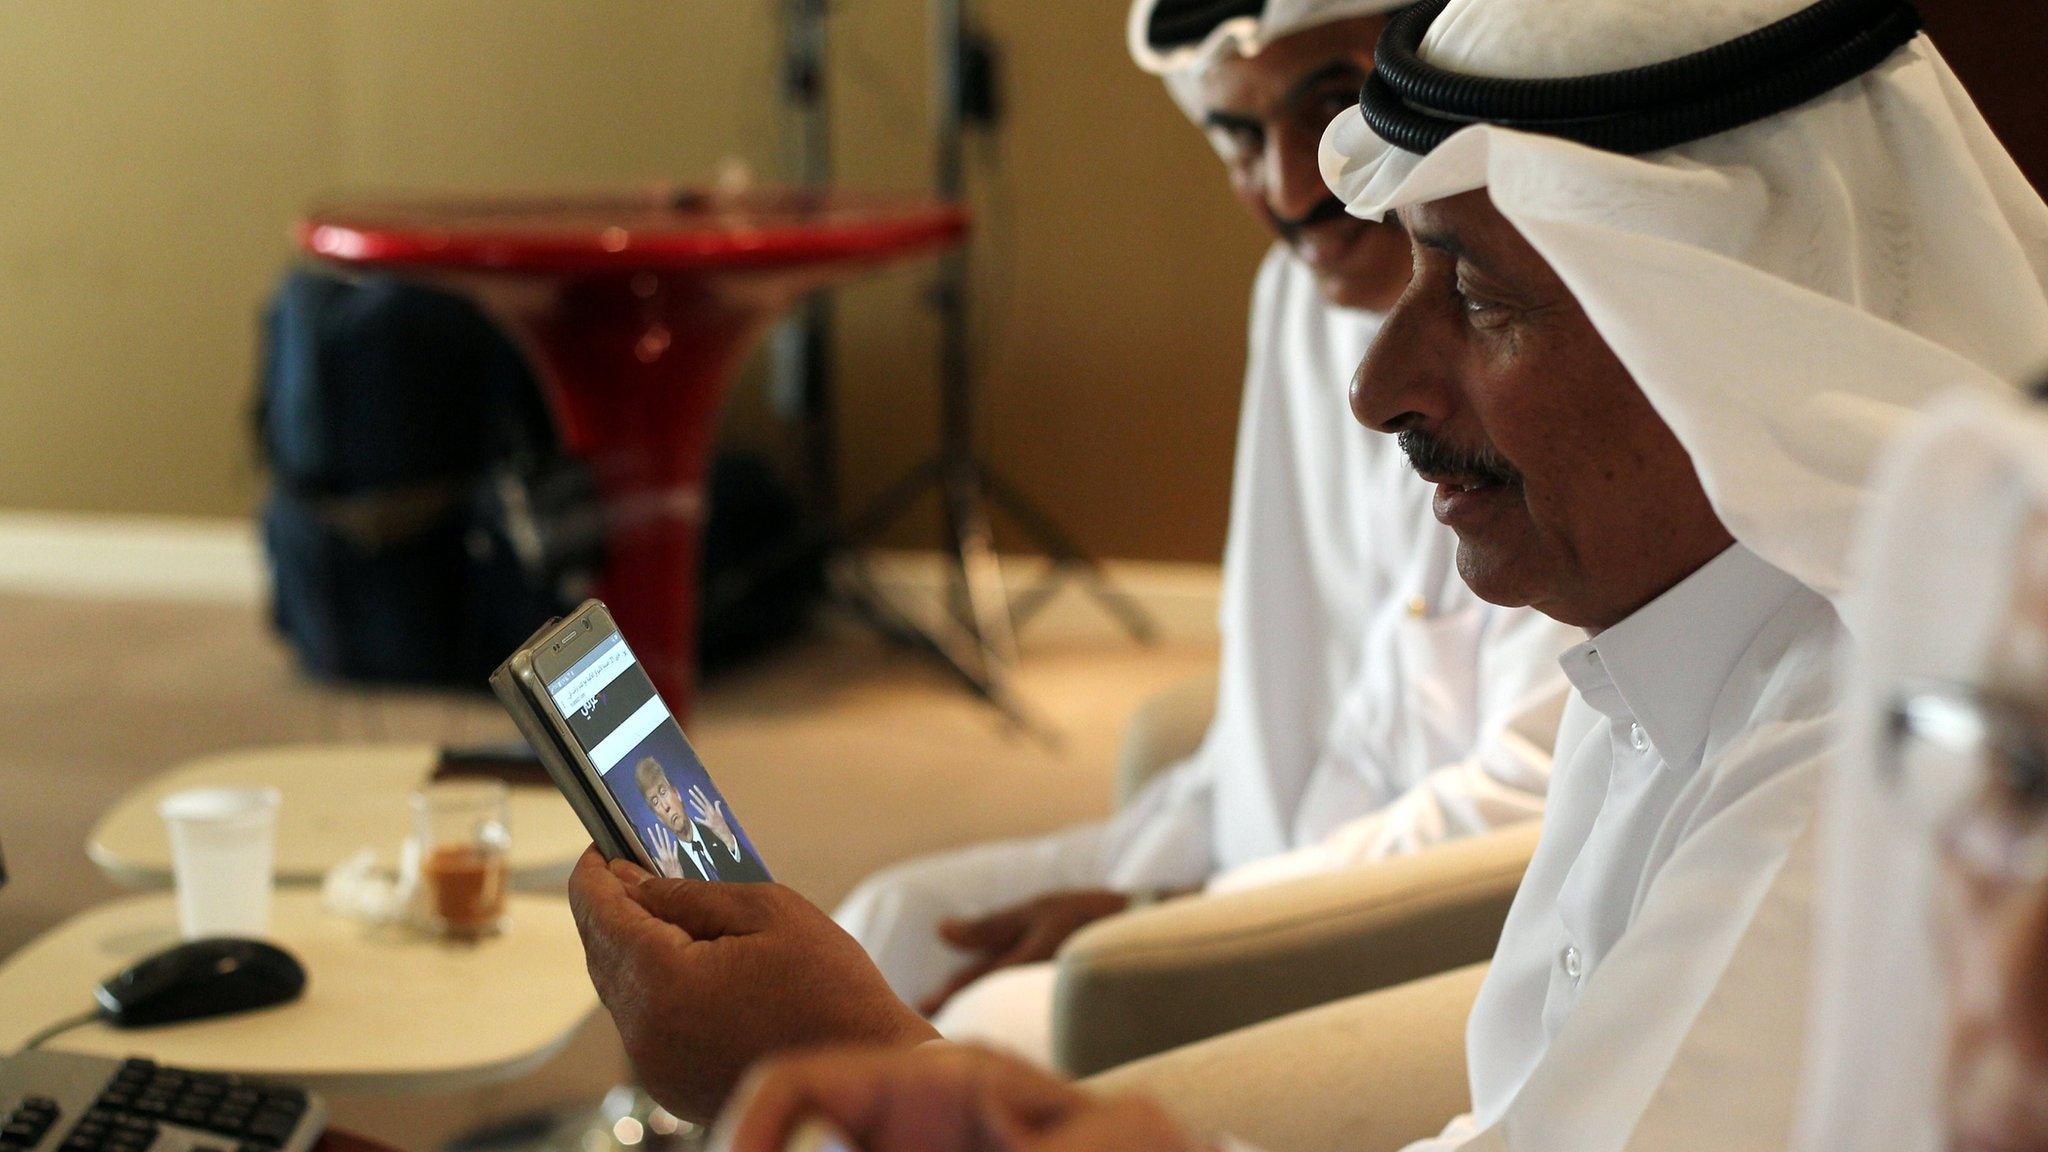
x=204, y=978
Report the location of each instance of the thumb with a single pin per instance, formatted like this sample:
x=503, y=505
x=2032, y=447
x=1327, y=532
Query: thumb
x=988, y=934
x=707, y=911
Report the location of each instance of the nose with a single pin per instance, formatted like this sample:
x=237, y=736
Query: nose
x=1403, y=382
x=1291, y=176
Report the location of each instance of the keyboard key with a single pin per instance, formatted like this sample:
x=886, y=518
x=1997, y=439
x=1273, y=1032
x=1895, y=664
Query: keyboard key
x=24, y=1131
x=270, y=1126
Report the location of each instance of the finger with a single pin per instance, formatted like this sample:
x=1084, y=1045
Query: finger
x=709, y=911
x=1038, y=945
x=1119, y=1122
x=927, y=1098
x=987, y=934
x=610, y=922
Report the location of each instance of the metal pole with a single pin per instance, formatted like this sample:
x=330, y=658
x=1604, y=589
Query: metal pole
x=804, y=344
x=978, y=594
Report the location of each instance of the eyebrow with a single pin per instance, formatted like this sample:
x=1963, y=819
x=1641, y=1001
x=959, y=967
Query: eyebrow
x=1232, y=122
x=1334, y=70
x=1452, y=245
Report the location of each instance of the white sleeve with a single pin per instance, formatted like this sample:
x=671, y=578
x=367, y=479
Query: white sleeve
x=1163, y=837
x=1522, y=690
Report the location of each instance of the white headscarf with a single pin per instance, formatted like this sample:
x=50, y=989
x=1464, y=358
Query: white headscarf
x=1183, y=66
x=1784, y=293
x=1948, y=535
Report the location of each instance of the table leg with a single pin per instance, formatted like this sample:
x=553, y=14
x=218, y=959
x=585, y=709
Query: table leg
x=636, y=368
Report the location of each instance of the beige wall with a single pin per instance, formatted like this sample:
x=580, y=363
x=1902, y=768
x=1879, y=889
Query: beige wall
x=157, y=152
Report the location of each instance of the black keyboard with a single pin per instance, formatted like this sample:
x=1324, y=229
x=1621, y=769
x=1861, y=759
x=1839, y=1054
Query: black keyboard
x=62, y=1102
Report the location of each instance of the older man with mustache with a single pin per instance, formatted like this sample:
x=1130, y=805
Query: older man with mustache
x=1680, y=272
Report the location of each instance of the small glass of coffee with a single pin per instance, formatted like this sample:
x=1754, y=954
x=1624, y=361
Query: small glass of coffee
x=463, y=841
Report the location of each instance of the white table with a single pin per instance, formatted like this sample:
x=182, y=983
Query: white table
x=384, y=1010
x=338, y=799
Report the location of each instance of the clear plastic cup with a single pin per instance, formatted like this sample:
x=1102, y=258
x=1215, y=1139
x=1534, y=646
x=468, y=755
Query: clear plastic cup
x=223, y=845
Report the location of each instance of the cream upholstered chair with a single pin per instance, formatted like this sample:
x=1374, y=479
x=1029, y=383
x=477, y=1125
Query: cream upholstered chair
x=1185, y=970
x=1368, y=1074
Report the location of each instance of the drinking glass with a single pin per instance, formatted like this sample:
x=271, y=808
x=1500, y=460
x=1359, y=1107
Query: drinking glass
x=464, y=839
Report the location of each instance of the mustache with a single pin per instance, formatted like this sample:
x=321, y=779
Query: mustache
x=1433, y=455
x=1291, y=230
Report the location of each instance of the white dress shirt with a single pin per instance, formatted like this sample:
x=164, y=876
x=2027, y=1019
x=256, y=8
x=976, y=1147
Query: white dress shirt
x=1686, y=769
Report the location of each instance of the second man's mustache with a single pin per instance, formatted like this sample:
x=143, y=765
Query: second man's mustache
x=1291, y=230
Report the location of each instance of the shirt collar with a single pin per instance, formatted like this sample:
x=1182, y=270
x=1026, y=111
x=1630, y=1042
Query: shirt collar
x=1664, y=666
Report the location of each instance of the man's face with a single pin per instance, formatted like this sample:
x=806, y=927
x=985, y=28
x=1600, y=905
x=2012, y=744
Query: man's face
x=1566, y=490
x=1266, y=115
x=665, y=803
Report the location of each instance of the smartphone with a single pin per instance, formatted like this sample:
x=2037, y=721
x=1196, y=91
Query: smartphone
x=610, y=745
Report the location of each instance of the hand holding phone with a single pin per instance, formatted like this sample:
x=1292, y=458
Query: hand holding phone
x=616, y=754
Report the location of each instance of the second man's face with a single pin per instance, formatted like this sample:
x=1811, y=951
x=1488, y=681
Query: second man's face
x=1266, y=115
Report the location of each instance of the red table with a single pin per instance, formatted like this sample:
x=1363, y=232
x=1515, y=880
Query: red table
x=637, y=311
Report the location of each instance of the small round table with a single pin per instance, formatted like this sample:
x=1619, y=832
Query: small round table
x=636, y=311
x=383, y=1011
x=338, y=800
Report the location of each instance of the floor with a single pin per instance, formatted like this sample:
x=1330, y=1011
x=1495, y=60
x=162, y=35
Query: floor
x=842, y=754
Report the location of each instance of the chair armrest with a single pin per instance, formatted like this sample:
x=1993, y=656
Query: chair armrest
x=1369, y=1074
x=1189, y=969
x=1165, y=730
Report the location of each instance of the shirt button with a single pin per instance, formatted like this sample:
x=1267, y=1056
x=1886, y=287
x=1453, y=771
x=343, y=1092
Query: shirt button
x=1639, y=738
x=1573, y=967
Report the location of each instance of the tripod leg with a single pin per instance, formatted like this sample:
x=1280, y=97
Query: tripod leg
x=977, y=585
x=964, y=663
x=1066, y=553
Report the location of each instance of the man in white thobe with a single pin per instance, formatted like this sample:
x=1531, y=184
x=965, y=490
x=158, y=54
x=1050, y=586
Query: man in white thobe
x=1649, y=379
x=1369, y=704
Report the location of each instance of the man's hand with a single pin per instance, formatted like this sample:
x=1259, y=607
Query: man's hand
x=704, y=979
x=712, y=816
x=1026, y=934
x=668, y=853
x=945, y=1098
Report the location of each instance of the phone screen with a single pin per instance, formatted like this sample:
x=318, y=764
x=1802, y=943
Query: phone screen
x=649, y=768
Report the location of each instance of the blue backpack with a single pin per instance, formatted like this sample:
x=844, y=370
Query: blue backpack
x=423, y=518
